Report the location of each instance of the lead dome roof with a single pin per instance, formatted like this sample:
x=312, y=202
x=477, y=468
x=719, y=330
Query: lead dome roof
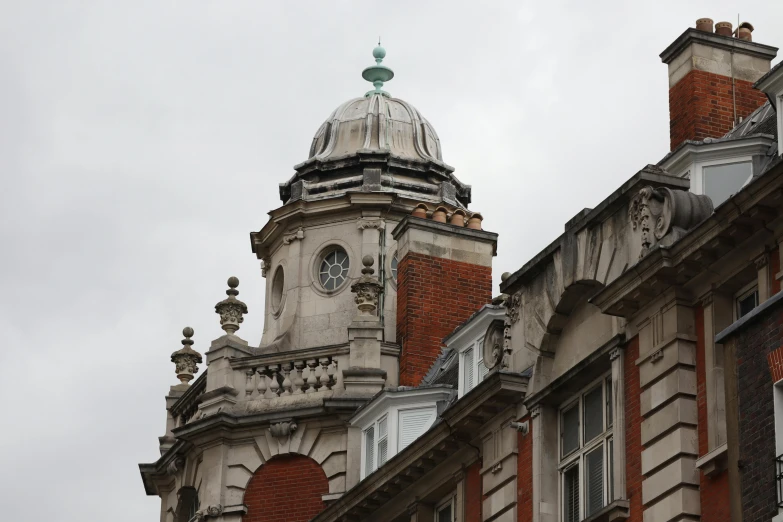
x=377, y=123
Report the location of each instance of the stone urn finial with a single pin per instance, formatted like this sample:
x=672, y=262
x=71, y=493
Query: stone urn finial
x=186, y=359
x=367, y=289
x=231, y=309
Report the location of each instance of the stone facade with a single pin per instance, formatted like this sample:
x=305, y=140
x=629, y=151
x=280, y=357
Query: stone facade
x=626, y=372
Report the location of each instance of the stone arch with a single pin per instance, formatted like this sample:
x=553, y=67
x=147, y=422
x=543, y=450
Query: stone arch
x=286, y=488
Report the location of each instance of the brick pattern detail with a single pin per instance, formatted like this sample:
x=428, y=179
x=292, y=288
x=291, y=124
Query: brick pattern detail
x=754, y=344
x=775, y=361
x=434, y=296
x=473, y=495
x=701, y=106
x=287, y=488
x=714, y=494
x=525, y=474
x=633, y=431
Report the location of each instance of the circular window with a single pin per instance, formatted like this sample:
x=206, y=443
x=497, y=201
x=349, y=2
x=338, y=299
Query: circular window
x=394, y=266
x=278, y=288
x=333, y=270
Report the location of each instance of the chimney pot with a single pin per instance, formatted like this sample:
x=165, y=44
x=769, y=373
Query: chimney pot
x=704, y=24
x=744, y=31
x=723, y=28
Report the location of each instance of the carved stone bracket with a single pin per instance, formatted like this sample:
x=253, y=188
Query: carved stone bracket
x=266, y=264
x=207, y=512
x=186, y=359
x=282, y=430
x=761, y=261
x=663, y=215
x=380, y=224
x=231, y=310
x=615, y=353
x=535, y=411
x=367, y=289
x=175, y=465
x=290, y=238
x=513, y=306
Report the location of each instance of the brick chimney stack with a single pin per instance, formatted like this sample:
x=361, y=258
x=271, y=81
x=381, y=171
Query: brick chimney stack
x=711, y=76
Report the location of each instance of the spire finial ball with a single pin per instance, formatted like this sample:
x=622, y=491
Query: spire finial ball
x=367, y=260
x=187, y=331
x=379, y=53
x=233, y=282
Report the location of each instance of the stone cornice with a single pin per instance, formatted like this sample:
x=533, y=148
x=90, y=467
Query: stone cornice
x=727, y=43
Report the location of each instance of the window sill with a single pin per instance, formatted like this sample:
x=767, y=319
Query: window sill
x=617, y=510
x=714, y=462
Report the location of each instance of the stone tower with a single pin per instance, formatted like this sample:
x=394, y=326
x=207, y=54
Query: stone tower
x=373, y=197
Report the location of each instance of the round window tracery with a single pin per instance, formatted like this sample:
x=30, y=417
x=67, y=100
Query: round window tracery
x=333, y=270
x=278, y=288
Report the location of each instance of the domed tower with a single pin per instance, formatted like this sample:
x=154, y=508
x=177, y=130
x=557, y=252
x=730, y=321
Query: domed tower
x=371, y=163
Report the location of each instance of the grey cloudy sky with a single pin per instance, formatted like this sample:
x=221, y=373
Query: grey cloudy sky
x=140, y=143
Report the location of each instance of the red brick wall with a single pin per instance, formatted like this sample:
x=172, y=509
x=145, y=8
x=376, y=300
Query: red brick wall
x=434, y=296
x=525, y=474
x=473, y=495
x=633, y=431
x=286, y=488
x=701, y=106
x=714, y=491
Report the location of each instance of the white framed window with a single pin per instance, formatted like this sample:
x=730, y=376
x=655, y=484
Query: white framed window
x=719, y=179
x=445, y=510
x=586, y=451
x=413, y=422
x=746, y=300
x=472, y=369
x=376, y=445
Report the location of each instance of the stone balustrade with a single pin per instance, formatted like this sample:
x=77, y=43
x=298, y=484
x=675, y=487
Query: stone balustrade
x=291, y=376
x=186, y=407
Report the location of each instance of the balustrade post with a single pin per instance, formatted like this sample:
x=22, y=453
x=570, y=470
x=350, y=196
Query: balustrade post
x=312, y=382
x=298, y=381
x=249, y=387
x=325, y=380
x=274, y=386
x=287, y=384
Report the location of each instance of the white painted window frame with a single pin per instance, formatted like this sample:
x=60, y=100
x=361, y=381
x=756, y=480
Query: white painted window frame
x=477, y=362
x=388, y=406
x=697, y=171
x=449, y=500
x=578, y=455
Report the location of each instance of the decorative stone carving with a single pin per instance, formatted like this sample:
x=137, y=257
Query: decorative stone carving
x=186, y=359
x=664, y=215
x=266, y=264
x=282, y=430
x=535, y=411
x=494, y=345
x=371, y=223
x=231, y=310
x=290, y=238
x=176, y=465
x=367, y=289
x=209, y=511
x=615, y=353
x=513, y=306
x=761, y=261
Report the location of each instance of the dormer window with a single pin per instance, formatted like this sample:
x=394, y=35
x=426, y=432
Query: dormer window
x=721, y=180
x=472, y=367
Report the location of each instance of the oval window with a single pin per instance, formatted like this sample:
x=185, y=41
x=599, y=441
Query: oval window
x=394, y=267
x=333, y=270
x=278, y=288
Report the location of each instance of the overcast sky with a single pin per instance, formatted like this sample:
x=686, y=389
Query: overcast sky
x=141, y=142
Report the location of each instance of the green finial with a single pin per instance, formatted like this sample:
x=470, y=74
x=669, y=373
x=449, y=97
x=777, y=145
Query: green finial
x=378, y=74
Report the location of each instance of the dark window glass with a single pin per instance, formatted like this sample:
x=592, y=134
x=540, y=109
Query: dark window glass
x=746, y=304
x=570, y=427
x=571, y=495
x=593, y=414
x=594, y=480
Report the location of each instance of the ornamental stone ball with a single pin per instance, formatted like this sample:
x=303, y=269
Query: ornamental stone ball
x=368, y=261
x=187, y=332
x=233, y=282
x=367, y=288
x=186, y=359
